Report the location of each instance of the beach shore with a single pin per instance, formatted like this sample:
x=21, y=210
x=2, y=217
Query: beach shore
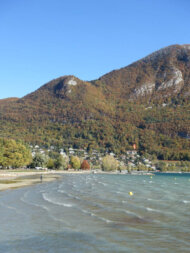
x=11, y=179
x=16, y=179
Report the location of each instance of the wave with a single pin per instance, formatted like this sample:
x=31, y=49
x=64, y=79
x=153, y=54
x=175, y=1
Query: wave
x=156, y=200
x=48, y=212
x=87, y=212
x=61, y=191
x=119, y=192
x=132, y=213
x=55, y=202
x=104, y=184
x=11, y=208
x=94, y=215
x=186, y=201
x=104, y=219
x=153, y=210
x=69, y=195
x=34, y=204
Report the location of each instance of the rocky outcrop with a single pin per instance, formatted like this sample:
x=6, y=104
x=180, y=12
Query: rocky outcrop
x=175, y=82
x=144, y=89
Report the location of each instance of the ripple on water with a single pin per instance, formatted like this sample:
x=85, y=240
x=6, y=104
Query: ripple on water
x=155, y=219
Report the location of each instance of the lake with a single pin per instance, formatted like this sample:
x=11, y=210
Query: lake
x=95, y=213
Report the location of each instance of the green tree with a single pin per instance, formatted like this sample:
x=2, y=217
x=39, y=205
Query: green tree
x=51, y=163
x=39, y=160
x=61, y=162
x=162, y=166
x=13, y=154
x=122, y=166
x=141, y=167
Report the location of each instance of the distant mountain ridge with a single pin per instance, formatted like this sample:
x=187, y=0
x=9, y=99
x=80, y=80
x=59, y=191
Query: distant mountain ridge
x=149, y=98
x=166, y=70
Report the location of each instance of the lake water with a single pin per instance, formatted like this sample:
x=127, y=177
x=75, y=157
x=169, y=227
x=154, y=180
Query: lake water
x=95, y=213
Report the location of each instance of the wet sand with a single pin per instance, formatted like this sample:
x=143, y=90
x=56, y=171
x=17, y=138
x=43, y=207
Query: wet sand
x=16, y=179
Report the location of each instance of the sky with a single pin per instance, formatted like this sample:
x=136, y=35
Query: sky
x=41, y=40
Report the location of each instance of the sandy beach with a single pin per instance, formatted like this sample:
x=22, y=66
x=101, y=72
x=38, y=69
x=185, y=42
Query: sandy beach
x=16, y=179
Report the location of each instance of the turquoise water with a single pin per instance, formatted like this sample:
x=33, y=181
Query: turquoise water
x=95, y=213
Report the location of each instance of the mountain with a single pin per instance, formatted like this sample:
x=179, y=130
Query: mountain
x=146, y=103
x=163, y=74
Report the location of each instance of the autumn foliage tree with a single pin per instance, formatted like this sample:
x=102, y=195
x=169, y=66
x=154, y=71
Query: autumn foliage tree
x=85, y=165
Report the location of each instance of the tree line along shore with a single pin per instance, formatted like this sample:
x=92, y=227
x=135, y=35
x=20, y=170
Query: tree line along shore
x=15, y=154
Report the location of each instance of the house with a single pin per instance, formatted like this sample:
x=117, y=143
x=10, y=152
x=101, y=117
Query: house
x=63, y=154
x=131, y=152
x=130, y=164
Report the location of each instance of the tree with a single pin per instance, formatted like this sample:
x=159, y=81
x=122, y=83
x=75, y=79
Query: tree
x=75, y=162
x=13, y=154
x=109, y=163
x=51, y=163
x=122, y=166
x=162, y=166
x=141, y=167
x=61, y=162
x=85, y=165
x=39, y=160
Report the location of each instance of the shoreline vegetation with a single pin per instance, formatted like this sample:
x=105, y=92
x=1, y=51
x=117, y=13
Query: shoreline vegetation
x=14, y=155
x=23, y=165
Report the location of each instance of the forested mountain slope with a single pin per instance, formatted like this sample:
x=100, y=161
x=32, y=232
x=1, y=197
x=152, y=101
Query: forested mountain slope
x=146, y=103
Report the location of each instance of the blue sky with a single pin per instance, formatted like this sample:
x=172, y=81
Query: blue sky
x=44, y=39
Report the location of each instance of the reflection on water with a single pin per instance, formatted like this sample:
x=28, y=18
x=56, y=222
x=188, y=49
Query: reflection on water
x=95, y=213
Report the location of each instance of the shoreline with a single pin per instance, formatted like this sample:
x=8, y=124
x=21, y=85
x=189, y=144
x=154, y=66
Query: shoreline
x=17, y=179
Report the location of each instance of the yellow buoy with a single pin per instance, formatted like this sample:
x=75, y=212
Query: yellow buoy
x=131, y=193
x=151, y=177
x=175, y=178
